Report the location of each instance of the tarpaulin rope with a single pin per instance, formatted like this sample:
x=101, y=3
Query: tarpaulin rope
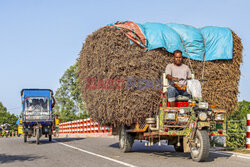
x=204, y=61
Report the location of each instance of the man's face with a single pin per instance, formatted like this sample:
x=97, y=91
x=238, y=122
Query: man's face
x=177, y=58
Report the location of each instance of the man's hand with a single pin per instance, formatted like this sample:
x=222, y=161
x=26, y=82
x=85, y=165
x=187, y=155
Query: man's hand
x=175, y=79
x=172, y=78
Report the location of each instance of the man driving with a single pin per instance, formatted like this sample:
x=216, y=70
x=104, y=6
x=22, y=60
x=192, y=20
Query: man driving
x=177, y=74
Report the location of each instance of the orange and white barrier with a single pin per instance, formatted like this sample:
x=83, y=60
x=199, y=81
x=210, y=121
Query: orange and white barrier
x=248, y=132
x=83, y=126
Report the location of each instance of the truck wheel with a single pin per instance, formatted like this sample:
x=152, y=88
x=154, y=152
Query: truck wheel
x=200, y=152
x=50, y=137
x=37, y=136
x=25, y=138
x=126, y=140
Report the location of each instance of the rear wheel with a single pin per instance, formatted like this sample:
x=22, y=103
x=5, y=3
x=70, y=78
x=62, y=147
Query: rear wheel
x=37, y=136
x=50, y=137
x=25, y=138
x=126, y=140
x=200, y=151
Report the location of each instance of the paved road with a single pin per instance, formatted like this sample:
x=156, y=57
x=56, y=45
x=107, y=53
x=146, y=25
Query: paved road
x=96, y=152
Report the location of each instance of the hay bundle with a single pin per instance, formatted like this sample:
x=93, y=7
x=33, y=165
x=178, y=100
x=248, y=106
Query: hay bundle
x=107, y=54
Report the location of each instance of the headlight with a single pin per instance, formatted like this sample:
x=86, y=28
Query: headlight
x=219, y=117
x=203, y=105
x=209, y=113
x=170, y=116
x=202, y=116
x=182, y=111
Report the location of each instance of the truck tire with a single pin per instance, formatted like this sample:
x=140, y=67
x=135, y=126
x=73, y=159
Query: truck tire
x=200, y=152
x=126, y=140
x=37, y=136
x=50, y=137
x=25, y=138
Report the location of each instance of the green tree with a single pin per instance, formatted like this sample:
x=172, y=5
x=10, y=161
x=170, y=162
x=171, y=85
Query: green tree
x=236, y=126
x=242, y=111
x=6, y=116
x=69, y=105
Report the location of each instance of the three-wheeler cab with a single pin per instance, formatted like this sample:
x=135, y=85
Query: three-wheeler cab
x=37, y=116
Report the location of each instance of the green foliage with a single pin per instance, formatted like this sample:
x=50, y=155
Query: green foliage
x=69, y=105
x=241, y=113
x=236, y=133
x=6, y=116
x=236, y=126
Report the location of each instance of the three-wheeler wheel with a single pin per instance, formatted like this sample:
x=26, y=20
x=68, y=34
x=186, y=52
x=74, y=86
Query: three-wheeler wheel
x=25, y=138
x=126, y=140
x=50, y=137
x=200, y=150
x=37, y=135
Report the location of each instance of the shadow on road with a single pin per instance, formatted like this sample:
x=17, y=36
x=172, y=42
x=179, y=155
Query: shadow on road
x=46, y=141
x=213, y=156
x=64, y=140
x=4, y=158
x=166, y=151
x=115, y=145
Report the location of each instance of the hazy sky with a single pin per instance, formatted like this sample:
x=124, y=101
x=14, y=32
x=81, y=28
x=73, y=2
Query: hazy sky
x=40, y=39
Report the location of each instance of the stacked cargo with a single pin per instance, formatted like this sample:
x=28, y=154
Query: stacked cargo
x=108, y=61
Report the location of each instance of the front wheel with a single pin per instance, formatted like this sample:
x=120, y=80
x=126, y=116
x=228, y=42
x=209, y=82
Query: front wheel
x=200, y=151
x=126, y=140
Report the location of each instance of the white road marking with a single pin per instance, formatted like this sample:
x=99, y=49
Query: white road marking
x=232, y=154
x=98, y=155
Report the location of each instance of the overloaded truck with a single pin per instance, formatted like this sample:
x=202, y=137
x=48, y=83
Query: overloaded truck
x=123, y=50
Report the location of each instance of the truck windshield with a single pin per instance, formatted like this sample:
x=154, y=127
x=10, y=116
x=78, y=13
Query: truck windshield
x=36, y=106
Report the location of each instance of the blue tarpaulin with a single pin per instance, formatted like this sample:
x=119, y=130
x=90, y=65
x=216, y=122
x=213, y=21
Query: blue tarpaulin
x=209, y=43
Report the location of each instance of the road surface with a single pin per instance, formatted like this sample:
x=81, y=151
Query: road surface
x=96, y=152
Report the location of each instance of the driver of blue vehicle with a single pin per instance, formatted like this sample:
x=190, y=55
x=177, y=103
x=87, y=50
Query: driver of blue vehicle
x=177, y=74
x=34, y=103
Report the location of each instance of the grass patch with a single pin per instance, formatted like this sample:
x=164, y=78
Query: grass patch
x=243, y=151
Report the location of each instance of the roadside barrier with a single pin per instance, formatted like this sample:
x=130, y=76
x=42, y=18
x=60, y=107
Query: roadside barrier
x=83, y=126
x=248, y=132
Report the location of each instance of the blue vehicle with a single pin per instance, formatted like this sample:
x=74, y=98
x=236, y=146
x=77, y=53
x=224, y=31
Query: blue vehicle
x=37, y=115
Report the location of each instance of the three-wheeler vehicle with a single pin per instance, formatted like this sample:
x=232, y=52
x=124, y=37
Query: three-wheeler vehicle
x=187, y=126
x=37, y=116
